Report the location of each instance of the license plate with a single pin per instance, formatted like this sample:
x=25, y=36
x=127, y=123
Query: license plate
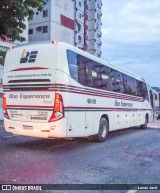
x=27, y=127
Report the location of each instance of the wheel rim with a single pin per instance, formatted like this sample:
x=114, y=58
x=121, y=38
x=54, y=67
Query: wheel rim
x=104, y=131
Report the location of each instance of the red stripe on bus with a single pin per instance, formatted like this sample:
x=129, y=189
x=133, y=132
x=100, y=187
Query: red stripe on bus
x=80, y=108
x=82, y=93
x=29, y=106
x=90, y=89
x=100, y=108
x=31, y=68
x=116, y=97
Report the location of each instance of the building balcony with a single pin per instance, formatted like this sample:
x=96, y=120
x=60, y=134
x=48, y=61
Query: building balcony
x=79, y=4
x=93, y=34
x=79, y=27
x=94, y=4
x=79, y=15
x=94, y=45
x=79, y=39
x=94, y=14
x=94, y=25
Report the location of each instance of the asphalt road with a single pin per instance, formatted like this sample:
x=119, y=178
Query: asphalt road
x=129, y=156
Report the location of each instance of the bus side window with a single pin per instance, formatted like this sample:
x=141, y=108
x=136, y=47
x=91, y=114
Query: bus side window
x=84, y=71
x=106, y=78
x=72, y=62
x=142, y=90
x=117, y=81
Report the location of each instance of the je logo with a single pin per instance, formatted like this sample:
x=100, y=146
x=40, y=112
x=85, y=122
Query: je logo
x=28, y=56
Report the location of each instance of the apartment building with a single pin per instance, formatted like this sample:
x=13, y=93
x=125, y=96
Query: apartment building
x=77, y=22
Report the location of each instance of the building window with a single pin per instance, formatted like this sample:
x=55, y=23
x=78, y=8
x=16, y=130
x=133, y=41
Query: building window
x=79, y=38
x=39, y=28
x=45, y=2
x=37, y=13
x=98, y=5
x=98, y=45
x=80, y=15
x=98, y=35
x=78, y=26
x=30, y=31
x=45, y=13
x=80, y=3
x=98, y=16
x=97, y=26
x=45, y=29
x=98, y=54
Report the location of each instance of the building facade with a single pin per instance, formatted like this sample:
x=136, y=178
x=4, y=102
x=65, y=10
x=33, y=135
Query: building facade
x=77, y=22
x=5, y=45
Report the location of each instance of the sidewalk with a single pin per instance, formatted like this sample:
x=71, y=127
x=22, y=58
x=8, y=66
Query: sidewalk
x=156, y=124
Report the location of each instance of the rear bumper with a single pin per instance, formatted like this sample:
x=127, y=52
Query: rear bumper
x=44, y=130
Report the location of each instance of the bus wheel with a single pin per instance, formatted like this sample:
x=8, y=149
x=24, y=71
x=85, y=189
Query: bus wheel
x=103, y=131
x=144, y=126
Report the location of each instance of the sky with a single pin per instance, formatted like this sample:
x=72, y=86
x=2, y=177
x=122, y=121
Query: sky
x=131, y=36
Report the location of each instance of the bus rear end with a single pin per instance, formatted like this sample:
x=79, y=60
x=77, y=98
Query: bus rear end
x=31, y=102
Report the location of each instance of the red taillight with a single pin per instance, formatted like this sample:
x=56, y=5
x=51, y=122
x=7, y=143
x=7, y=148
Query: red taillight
x=5, y=106
x=4, y=101
x=58, y=111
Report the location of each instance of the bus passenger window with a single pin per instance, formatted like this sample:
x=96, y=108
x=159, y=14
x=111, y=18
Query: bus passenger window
x=142, y=90
x=72, y=62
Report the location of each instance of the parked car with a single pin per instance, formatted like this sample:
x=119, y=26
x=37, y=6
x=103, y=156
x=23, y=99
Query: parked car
x=158, y=115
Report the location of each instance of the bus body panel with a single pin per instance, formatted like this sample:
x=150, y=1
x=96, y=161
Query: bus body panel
x=30, y=106
x=29, y=56
x=44, y=130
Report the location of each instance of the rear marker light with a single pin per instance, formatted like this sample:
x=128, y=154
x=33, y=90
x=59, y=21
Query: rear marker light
x=11, y=127
x=45, y=130
x=58, y=109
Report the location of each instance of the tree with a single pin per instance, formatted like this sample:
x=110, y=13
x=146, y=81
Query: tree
x=2, y=57
x=13, y=13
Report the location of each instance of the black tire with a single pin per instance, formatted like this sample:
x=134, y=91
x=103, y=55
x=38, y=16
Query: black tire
x=103, y=131
x=144, y=126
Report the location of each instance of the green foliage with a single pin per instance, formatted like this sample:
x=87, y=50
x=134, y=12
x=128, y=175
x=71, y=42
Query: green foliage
x=13, y=14
x=2, y=57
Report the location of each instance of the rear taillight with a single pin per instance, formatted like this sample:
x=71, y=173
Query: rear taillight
x=58, y=111
x=5, y=106
x=4, y=101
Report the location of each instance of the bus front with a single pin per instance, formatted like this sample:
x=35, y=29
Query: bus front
x=31, y=102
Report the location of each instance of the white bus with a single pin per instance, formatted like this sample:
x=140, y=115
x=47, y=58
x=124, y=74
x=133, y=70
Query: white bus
x=54, y=90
